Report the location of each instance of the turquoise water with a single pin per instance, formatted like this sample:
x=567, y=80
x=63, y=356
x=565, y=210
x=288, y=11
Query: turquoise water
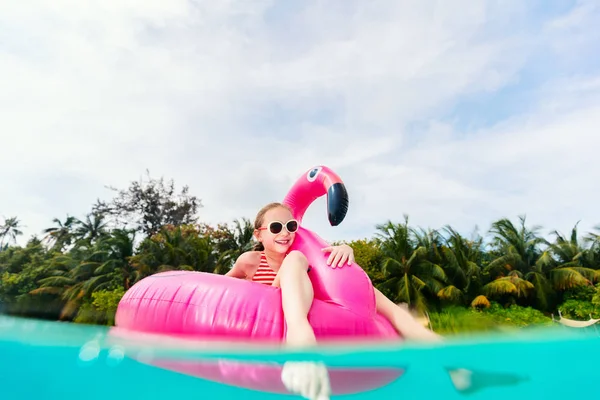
x=53, y=360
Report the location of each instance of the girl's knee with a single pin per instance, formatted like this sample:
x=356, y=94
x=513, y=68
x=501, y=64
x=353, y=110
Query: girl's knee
x=294, y=264
x=295, y=259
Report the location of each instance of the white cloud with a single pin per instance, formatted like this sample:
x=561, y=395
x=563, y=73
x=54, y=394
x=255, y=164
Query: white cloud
x=542, y=166
x=236, y=99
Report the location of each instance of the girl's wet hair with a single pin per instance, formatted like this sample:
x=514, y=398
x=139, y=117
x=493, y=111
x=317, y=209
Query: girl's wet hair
x=260, y=217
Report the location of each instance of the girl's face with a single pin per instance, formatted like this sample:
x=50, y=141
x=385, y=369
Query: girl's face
x=273, y=233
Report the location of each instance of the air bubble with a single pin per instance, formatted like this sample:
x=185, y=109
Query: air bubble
x=89, y=352
x=115, y=356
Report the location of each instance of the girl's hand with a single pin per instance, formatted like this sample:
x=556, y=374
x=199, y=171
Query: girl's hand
x=339, y=255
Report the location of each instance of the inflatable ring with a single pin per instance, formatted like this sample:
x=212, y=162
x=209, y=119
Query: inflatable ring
x=206, y=306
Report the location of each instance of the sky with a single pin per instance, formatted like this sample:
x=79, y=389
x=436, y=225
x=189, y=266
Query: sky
x=455, y=113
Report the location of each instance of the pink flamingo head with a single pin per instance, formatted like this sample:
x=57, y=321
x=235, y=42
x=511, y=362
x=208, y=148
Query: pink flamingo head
x=349, y=287
x=316, y=182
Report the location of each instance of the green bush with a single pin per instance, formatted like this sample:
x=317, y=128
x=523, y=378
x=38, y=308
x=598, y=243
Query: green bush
x=583, y=293
x=102, y=308
x=579, y=309
x=460, y=320
x=455, y=320
x=517, y=316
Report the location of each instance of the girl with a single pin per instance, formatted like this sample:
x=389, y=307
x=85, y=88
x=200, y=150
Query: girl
x=272, y=263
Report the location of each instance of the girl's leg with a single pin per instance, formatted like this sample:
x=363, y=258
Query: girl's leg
x=297, y=296
x=410, y=328
x=402, y=321
x=309, y=379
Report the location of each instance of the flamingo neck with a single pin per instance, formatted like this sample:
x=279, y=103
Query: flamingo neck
x=301, y=196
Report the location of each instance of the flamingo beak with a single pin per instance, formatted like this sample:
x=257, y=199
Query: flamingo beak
x=337, y=203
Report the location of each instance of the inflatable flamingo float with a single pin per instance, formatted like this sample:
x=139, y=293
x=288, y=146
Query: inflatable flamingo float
x=205, y=306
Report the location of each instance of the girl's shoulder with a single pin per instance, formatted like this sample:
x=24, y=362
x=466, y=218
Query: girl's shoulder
x=249, y=259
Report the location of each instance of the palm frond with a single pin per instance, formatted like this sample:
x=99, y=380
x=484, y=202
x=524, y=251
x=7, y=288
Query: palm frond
x=480, y=301
x=450, y=293
x=567, y=278
x=391, y=267
x=47, y=290
x=500, y=287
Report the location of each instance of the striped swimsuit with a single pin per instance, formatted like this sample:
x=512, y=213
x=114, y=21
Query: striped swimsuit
x=264, y=274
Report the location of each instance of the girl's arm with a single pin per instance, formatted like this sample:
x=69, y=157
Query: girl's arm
x=242, y=265
x=236, y=272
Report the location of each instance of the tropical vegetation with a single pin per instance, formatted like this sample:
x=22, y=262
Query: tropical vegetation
x=78, y=269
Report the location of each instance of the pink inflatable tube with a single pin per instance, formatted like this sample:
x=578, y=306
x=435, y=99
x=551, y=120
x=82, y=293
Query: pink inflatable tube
x=205, y=306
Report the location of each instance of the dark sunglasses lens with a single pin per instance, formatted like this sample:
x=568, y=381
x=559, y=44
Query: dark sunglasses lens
x=292, y=226
x=276, y=227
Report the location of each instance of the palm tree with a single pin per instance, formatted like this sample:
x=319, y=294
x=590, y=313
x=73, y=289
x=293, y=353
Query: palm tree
x=432, y=241
x=568, y=263
x=408, y=273
x=462, y=260
x=76, y=275
x=518, y=247
x=174, y=248
x=59, y=279
x=518, y=252
x=60, y=235
x=238, y=241
x=10, y=229
x=592, y=256
x=512, y=286
x=108, y=266
x=92, y=228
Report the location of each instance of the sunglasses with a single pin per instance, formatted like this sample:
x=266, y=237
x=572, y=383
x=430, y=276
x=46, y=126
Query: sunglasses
x=275, y=226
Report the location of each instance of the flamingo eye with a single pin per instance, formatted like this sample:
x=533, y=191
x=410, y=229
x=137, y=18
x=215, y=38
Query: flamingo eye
x=312, y=174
